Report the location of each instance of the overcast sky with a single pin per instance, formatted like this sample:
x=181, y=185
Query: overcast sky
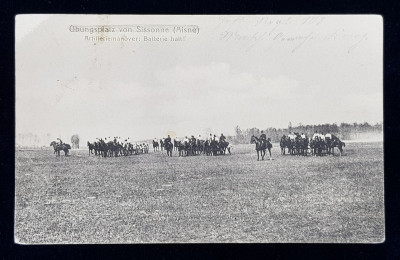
x=251, y=71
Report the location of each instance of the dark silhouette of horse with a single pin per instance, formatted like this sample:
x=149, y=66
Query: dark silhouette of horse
x=169, y=147
x=155, y=146
x=261, y=146
x=60, y=147
x=223, y=147
x=269, y=147
x=200, y=146
x=207, y=148
x=91, y=147
x=181, y=148
x=176, y=144
x=162, y=145
x=337, y=143
x=284, y=143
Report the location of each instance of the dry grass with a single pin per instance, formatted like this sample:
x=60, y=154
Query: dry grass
x=152, y=198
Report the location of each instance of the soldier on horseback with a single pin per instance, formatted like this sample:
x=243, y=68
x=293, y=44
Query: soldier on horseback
x=263, y=136
x=222, y=138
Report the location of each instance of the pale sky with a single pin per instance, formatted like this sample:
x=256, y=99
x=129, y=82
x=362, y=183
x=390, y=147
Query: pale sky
x=251, y=71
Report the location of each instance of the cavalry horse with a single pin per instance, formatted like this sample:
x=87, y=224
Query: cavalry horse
x=284, y=143
x=337, y=143
x=60, y=147
x=162, y=145
x=169, y=147
x=91, y=148
x=155, y=146
x=261, y=146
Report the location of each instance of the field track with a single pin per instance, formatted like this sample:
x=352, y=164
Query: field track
x=152, y=198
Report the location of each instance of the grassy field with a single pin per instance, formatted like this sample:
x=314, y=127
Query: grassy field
x=151, y=198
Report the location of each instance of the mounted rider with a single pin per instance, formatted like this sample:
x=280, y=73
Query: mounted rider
x=185, y=140
x=60, y=141
x=168, y=139
x=263, y=136
x=215, y=139
x=328, y=135
x=322, y=136
x=222, y=139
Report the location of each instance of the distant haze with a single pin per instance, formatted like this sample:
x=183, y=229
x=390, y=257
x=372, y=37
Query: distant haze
x=251, y=71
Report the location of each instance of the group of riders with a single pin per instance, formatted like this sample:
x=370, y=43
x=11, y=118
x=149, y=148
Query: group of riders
x=117, y=146
x=319, y=144
x=296, y=143
x=211, y=146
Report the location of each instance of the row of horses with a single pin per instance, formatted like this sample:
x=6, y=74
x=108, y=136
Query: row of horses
x=194, y=147
x=115, y=149
x=294, y=146
x=306, y=146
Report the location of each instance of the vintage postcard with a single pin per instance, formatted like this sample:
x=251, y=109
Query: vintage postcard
x=199, y=129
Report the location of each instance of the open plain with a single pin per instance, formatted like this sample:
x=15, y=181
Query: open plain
x=152, y=198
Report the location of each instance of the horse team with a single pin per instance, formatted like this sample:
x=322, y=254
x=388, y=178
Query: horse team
x=212, y=146
x=318, y=145
x=116, y=147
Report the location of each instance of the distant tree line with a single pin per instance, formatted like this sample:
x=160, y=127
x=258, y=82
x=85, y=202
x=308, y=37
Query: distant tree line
x=30, y=140
x=344, y=131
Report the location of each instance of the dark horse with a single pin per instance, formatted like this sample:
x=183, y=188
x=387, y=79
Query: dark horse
x=284, y=143
x=60, y=147
x=162, y=145
x=91, y=147
x=169, y=147
x=155, y=146
x=261, y=146
x=337, y=143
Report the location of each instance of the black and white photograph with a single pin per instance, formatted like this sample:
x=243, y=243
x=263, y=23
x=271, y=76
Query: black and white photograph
x=149, y=129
